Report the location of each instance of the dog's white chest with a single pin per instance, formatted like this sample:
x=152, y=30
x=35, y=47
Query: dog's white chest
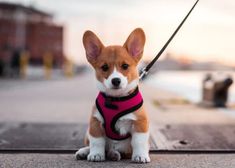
x=123, y=125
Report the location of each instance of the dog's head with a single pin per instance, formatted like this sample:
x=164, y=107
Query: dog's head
x=115, y=66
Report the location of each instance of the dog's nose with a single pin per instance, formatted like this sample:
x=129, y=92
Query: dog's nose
x=116, y=82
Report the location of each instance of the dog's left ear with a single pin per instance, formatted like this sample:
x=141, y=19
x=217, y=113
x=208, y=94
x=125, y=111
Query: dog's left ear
x=135, y=43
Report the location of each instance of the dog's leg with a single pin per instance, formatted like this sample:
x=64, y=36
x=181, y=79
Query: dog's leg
x=114, y=155
x=96, y=141
x=140, y=138
x=82, y=153
x=140, y=146
x=97, y=149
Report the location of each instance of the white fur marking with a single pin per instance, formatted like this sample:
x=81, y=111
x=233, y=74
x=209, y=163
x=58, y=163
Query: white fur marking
x=124, y=124
x=140, y=146
x=116, y=74
x=130, y=116
x=125, y=87
x=98, y=116
x=97, y=149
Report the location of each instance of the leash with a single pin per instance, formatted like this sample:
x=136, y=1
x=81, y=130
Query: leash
x=145, y=70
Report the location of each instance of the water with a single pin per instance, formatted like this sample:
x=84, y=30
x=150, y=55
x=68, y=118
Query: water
x=185, y=83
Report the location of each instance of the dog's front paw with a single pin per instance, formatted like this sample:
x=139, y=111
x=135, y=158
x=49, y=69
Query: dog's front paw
x=82, y=153
x=140, y=159
x=97, y=157
x=114, y=155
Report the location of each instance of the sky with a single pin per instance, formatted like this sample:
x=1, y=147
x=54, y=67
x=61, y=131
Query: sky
x=207, y=35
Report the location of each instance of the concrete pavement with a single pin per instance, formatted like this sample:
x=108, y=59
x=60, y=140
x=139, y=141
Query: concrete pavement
x=158, y=161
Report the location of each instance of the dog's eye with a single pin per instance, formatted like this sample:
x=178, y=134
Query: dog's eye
x=105, y=67
x=125, y=66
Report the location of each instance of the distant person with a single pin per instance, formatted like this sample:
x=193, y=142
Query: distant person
x=1, y=67
x=15, y=63
x=5, y=57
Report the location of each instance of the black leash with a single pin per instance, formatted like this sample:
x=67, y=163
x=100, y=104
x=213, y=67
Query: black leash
x=145, y=70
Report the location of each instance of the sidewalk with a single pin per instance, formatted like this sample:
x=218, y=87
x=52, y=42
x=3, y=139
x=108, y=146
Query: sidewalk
x=70, y=101
x=158, y=161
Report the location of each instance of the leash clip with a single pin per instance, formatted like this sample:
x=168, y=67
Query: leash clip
x=143, y=73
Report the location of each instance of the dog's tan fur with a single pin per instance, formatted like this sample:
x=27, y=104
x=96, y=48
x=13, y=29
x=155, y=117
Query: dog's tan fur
x=115, y=56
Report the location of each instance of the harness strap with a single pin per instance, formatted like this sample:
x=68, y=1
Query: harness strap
x=113, y=108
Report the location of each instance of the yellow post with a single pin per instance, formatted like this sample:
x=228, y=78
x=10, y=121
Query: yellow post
x=24, y=59
x=47, y=64
x=68, y=68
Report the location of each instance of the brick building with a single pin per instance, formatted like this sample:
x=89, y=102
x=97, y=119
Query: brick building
x=27, y=28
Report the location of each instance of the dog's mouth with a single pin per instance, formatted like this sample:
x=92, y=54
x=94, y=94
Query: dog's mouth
x=116, y=87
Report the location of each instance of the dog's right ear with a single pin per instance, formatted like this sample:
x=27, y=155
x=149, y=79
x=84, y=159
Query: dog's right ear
x=92, y=45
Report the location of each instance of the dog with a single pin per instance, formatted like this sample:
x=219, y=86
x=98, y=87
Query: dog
x=119, y=125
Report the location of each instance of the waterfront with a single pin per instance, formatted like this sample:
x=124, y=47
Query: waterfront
x=185, y=83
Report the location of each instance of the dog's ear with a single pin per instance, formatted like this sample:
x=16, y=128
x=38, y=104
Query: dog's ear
x=92, y=45
x=135, y=43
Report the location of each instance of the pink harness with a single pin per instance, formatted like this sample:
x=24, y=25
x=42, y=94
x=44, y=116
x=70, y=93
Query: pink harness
x=112, y=108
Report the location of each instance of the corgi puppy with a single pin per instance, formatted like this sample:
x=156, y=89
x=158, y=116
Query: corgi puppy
x=119, y=125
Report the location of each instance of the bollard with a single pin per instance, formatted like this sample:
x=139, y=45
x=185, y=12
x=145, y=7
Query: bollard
x=215, y=89
x=47, y=65
x=24, y=58
x=68, y=68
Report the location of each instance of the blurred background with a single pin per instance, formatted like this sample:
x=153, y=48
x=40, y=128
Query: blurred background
x=41, y=41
